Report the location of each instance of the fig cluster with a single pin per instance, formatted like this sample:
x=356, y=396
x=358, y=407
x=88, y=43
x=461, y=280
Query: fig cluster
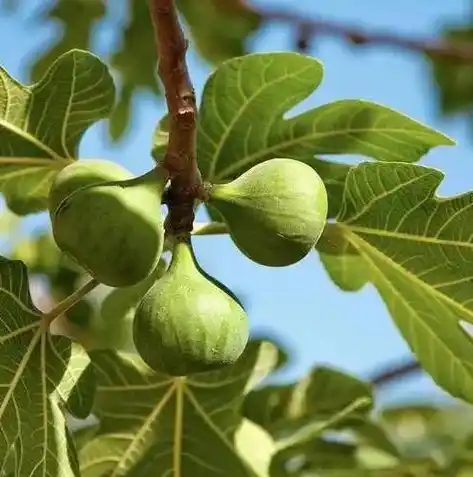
x=178, y=318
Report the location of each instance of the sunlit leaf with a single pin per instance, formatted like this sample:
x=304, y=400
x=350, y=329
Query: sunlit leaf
x=417, y=250
x=243, y=119
x=41, y=125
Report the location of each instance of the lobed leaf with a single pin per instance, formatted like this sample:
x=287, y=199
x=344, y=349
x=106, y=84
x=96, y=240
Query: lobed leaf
x=39, y=375
x=417, y=249
x=243, y=119
x=153, y=424
x=77, y=17
x=41, y=125
x=219, y=30
x=319, y=395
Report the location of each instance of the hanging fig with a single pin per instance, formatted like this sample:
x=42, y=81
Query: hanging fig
x=275, y=212
x=187, y=323
x=108, y=221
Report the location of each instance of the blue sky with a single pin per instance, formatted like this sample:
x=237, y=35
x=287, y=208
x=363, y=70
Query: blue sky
x=321, y=324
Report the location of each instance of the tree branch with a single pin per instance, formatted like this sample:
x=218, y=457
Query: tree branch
x=308, y=28
x=392, y=373
x=180, y=157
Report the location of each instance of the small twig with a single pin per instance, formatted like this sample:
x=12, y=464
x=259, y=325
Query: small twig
x=180, y=157
x=210, y=228
x=311, y=27
x=69, y=302
x=393, y=373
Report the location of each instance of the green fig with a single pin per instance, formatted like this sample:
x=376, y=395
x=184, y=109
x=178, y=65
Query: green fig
x=187, y=323
x=108, y=221
x=275, y=212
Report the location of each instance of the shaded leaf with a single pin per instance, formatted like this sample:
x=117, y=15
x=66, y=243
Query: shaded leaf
x=317, y=396
x=41, y=125
x=154, y=424
x=295, y=444
x=219, y=30
x=371, y=434
x=242, y=119
x=83, y=434
x=454, y=78
x=134, y=60
x=76, y=18
x=38, y=376
x=425, y=430
x=417, y=250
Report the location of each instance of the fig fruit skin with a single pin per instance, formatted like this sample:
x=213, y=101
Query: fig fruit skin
x=186, y=324
x=108, y=221
x=275, y=212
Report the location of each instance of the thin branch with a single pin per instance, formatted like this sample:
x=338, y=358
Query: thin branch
x=69, y=302
x=395, y=372
x=457, y=50
x=180, y=158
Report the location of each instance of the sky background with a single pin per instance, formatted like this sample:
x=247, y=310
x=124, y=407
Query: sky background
x=299, y=304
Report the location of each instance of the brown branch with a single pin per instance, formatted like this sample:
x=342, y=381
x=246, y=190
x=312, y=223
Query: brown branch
x=180, y=158
x=458, y=50
x=392, y=373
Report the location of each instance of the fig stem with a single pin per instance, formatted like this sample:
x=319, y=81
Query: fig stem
x=69, y=302
x=210, y=228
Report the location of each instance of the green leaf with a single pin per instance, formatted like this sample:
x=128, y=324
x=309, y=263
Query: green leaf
x=219, y=30
x=424, y=430
x=242, y=119
x=295, y=444
x=77, y=19
x=41, y=125
x=83, y=434
x=454, y=79
x=134, y=61
x=38, y=377
x=319, y=395
x=371, y=434
x=153, y=424
x=322, y=454
x=417, y=250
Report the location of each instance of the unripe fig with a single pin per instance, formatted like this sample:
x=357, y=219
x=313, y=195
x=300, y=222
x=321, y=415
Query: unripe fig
x=187, y=323
x=275, y=212
x=108, y=221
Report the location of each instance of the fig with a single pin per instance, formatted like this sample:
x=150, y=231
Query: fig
x=108, y=220
x=188, y=323
x=275, y=212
